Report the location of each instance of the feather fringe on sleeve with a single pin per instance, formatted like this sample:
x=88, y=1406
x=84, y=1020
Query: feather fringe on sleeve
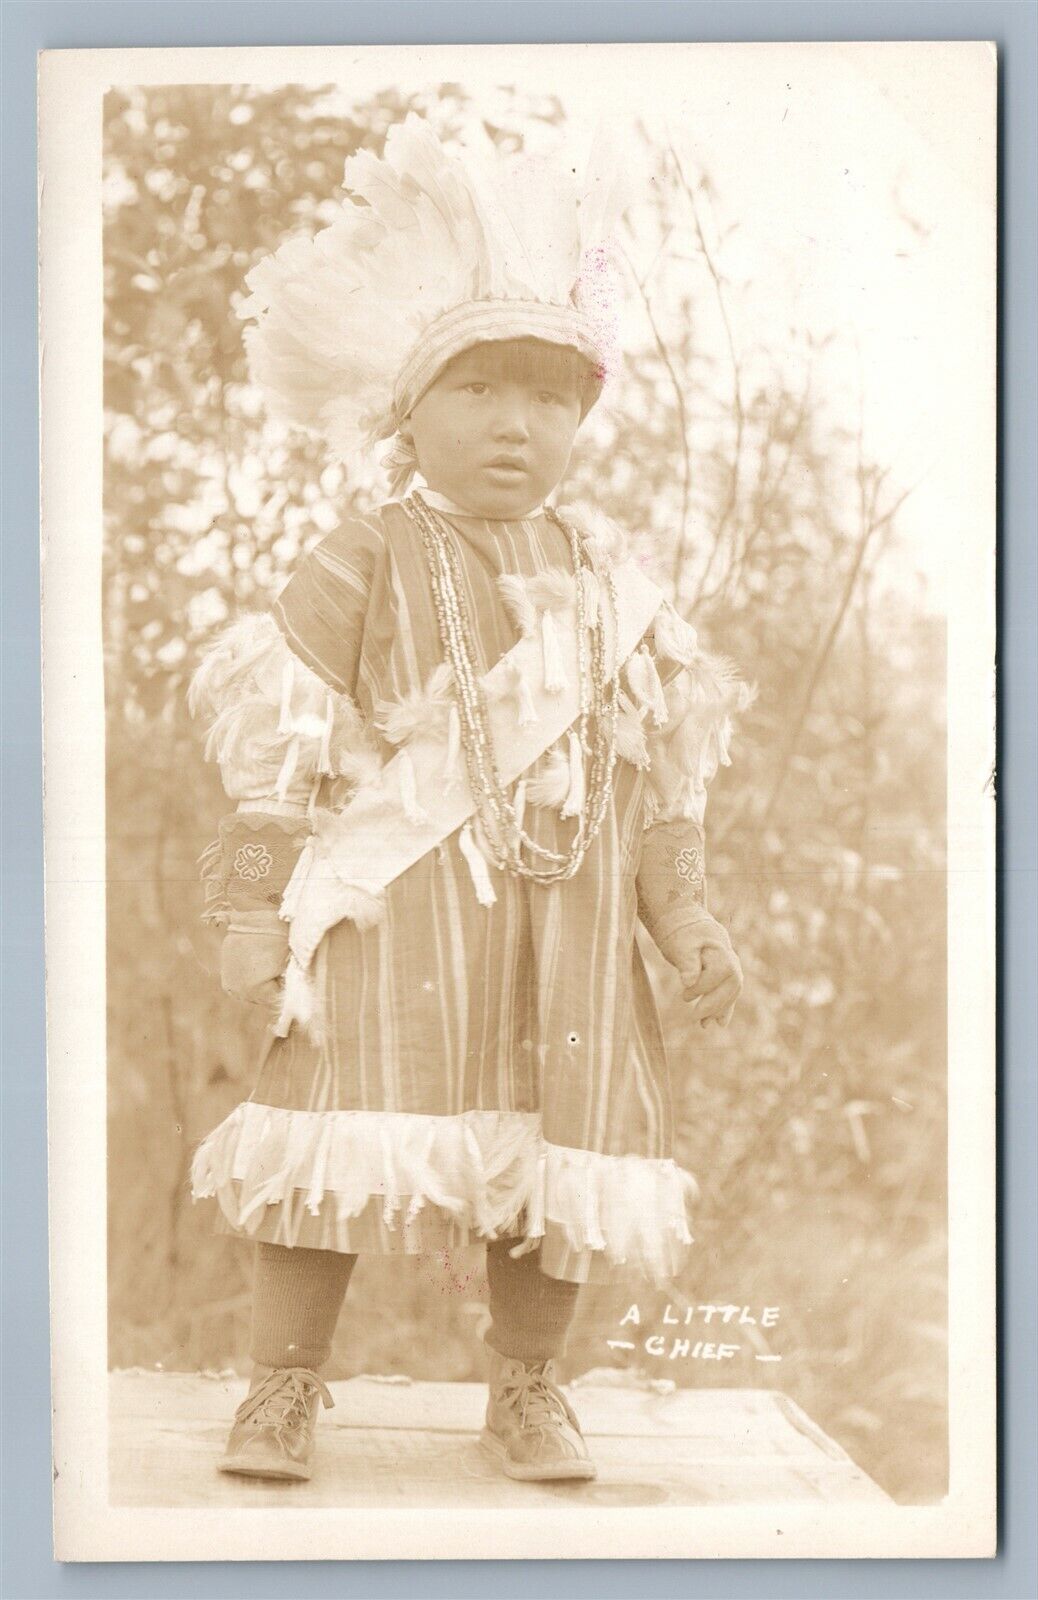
x=274, y=726
x=688, y=721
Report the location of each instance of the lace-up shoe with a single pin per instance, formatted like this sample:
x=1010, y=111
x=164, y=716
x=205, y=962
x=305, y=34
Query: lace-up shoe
x=273, y=1431
x=531, y=1430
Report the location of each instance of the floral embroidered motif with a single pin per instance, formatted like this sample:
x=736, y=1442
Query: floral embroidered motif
x=689, y=863
x=253, y=861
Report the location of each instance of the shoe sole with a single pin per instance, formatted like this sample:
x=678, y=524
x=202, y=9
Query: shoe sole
x=243, y=1467
x=531, y=1472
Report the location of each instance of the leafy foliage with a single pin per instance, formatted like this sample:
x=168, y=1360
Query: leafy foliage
x=816, y=1124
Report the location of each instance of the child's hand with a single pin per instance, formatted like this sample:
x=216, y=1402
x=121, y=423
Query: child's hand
x=712, y=983
x=253, y=958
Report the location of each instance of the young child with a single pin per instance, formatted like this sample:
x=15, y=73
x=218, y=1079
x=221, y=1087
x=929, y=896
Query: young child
x=469, y=747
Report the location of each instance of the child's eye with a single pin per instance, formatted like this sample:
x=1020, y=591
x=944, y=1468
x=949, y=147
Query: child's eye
x=477, y=386
x=550, y=397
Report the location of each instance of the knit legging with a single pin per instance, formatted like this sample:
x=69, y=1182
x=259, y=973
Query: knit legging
x=298, y=1294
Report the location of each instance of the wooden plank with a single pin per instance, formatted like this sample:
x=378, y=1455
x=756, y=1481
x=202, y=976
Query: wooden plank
x=391, y=1443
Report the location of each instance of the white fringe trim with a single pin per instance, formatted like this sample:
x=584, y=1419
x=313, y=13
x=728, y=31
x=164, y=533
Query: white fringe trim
x=272, y=723
x=300, y=1003
x=674, y=638
x=486, y=1169
x=575, y=793
x=645, y=683
x=479, y=867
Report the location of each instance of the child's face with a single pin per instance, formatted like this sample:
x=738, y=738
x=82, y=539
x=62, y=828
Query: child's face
x=493, y=434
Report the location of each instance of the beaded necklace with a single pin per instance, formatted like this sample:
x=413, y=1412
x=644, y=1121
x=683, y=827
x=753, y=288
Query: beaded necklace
x=598, y=702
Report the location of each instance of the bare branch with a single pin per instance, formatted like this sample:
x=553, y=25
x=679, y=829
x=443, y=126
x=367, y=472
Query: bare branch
x=871, y=525
x=731, y=498
x=764, y=492
x=679, y=397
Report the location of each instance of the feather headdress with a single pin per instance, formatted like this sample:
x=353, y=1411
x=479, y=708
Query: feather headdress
x=429, y=255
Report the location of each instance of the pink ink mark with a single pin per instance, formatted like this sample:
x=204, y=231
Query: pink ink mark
x=598, y=293
x=457, y=1282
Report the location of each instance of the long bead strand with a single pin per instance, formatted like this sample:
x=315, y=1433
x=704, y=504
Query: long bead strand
x=598, y=693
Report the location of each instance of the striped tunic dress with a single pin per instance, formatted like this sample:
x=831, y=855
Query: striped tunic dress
x=483, y=1069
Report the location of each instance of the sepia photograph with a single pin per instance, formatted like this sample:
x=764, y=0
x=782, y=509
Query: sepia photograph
x=526, y=814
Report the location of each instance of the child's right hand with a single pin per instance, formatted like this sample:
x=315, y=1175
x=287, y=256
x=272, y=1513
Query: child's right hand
x=253, y=958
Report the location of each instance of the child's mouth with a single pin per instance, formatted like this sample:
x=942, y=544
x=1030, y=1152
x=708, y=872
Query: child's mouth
x=507, y=471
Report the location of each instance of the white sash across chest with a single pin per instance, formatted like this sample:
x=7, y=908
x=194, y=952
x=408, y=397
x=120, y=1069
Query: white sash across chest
x=385, y=828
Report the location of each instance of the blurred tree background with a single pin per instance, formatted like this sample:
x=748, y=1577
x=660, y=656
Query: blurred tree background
x=816, y=1124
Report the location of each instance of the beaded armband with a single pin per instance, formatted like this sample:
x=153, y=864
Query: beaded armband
x=671, y=882
x=248, y=866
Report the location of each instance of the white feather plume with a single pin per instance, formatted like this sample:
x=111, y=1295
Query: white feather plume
x=550, y=786
x=605, y=537
x=418, y=233
x=674, y=638
x=516, y=597
x=551, y=590
x=685, y=754
x=269, y=718
x=421, y=712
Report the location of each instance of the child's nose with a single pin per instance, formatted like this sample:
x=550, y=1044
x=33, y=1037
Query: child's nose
x=512, y=422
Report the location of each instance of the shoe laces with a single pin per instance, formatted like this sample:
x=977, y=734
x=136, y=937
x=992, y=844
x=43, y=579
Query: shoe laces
x=282, y=1400
x=540, y=1402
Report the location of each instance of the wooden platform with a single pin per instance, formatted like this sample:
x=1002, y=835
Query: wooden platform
x=391, y=1442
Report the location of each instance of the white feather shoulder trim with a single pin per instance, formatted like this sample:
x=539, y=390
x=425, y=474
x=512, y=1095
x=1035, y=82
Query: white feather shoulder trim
x=272, y=724
x=688, y=721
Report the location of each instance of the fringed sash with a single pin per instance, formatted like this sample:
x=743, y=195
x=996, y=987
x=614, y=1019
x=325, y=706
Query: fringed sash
x=422, y=795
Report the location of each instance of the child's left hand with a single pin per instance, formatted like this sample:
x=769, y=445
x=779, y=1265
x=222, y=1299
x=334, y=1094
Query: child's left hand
x=714, y=988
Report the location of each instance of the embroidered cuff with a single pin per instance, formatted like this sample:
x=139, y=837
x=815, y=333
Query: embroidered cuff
x=672, y=887
x=248, y=867
x=672, y=869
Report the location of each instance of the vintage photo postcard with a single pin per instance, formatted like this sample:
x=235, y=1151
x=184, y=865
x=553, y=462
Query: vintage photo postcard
x=518, y=590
